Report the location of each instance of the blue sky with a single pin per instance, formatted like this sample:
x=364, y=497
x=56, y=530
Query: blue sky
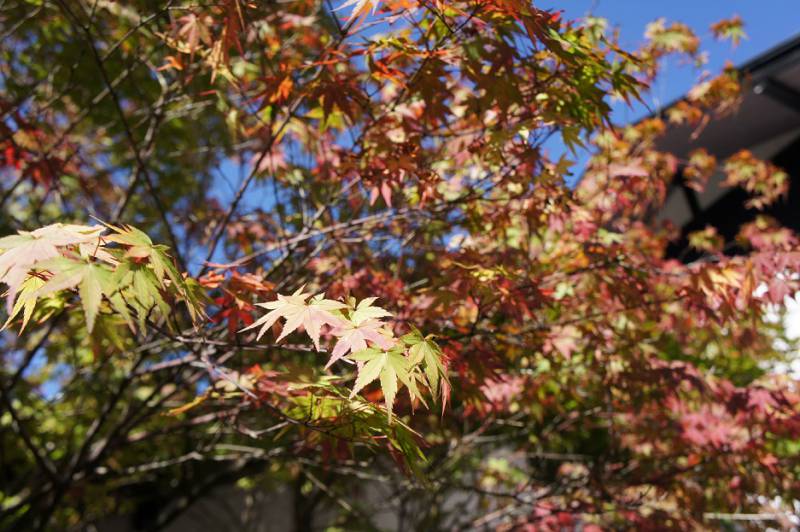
x=767, y=23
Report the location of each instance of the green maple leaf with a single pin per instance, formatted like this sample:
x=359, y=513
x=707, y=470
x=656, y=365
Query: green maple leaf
x=138, y=287
x=92, y=280
x=25, y=301
x=141, y=247
x=389, y=367
x=365, y=311
x=423, y=350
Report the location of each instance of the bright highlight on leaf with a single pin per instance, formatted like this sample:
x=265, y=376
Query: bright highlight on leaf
x=296, y=311
x=93, y=280
x=353, y=338
x=124, y=269
x=360, y=8
x=359, y=330
x=22, y=252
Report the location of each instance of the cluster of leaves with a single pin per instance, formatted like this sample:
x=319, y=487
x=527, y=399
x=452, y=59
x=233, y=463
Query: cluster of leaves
x=360, y=331
x=138, y=278
x=588, y=378
x=135, y=279
x=762, y=180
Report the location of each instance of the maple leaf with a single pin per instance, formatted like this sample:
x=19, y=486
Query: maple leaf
x=353, y=338
x=143, y=292
x=26, y=302
x=563, y=339
x=711, y=426
x=247, y=282
x=195, y=29
x=141, y=248
x=732, y=28
x=360, y=8
x=312, y=315
x=672, y=38
x=234, y=310
x=424, y=350
x=21, y=252
x=266, y=382
x=500, y=392
x=388, y=367
x=700, y=167
x=384, y=191
x=92, y=280
x=365, y=311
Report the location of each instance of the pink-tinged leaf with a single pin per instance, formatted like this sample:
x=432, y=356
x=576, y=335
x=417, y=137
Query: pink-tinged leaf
x=353, y=338
x=712, y=426
x=194, y=29
x=21, y=252
x=312, y=315
x=69, y=234
x=266, y=322
x=761, y=400
x=384, y=190
x=778, y=290
x=563, y=339
x=500, y=392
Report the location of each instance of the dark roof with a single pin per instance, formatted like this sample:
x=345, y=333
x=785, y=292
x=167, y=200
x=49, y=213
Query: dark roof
x=787, y=51
x=767, y=122
x=770, y=107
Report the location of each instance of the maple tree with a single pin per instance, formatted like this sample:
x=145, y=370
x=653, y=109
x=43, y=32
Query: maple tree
x=325, y=247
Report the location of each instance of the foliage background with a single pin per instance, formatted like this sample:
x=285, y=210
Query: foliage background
x=568, y=372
